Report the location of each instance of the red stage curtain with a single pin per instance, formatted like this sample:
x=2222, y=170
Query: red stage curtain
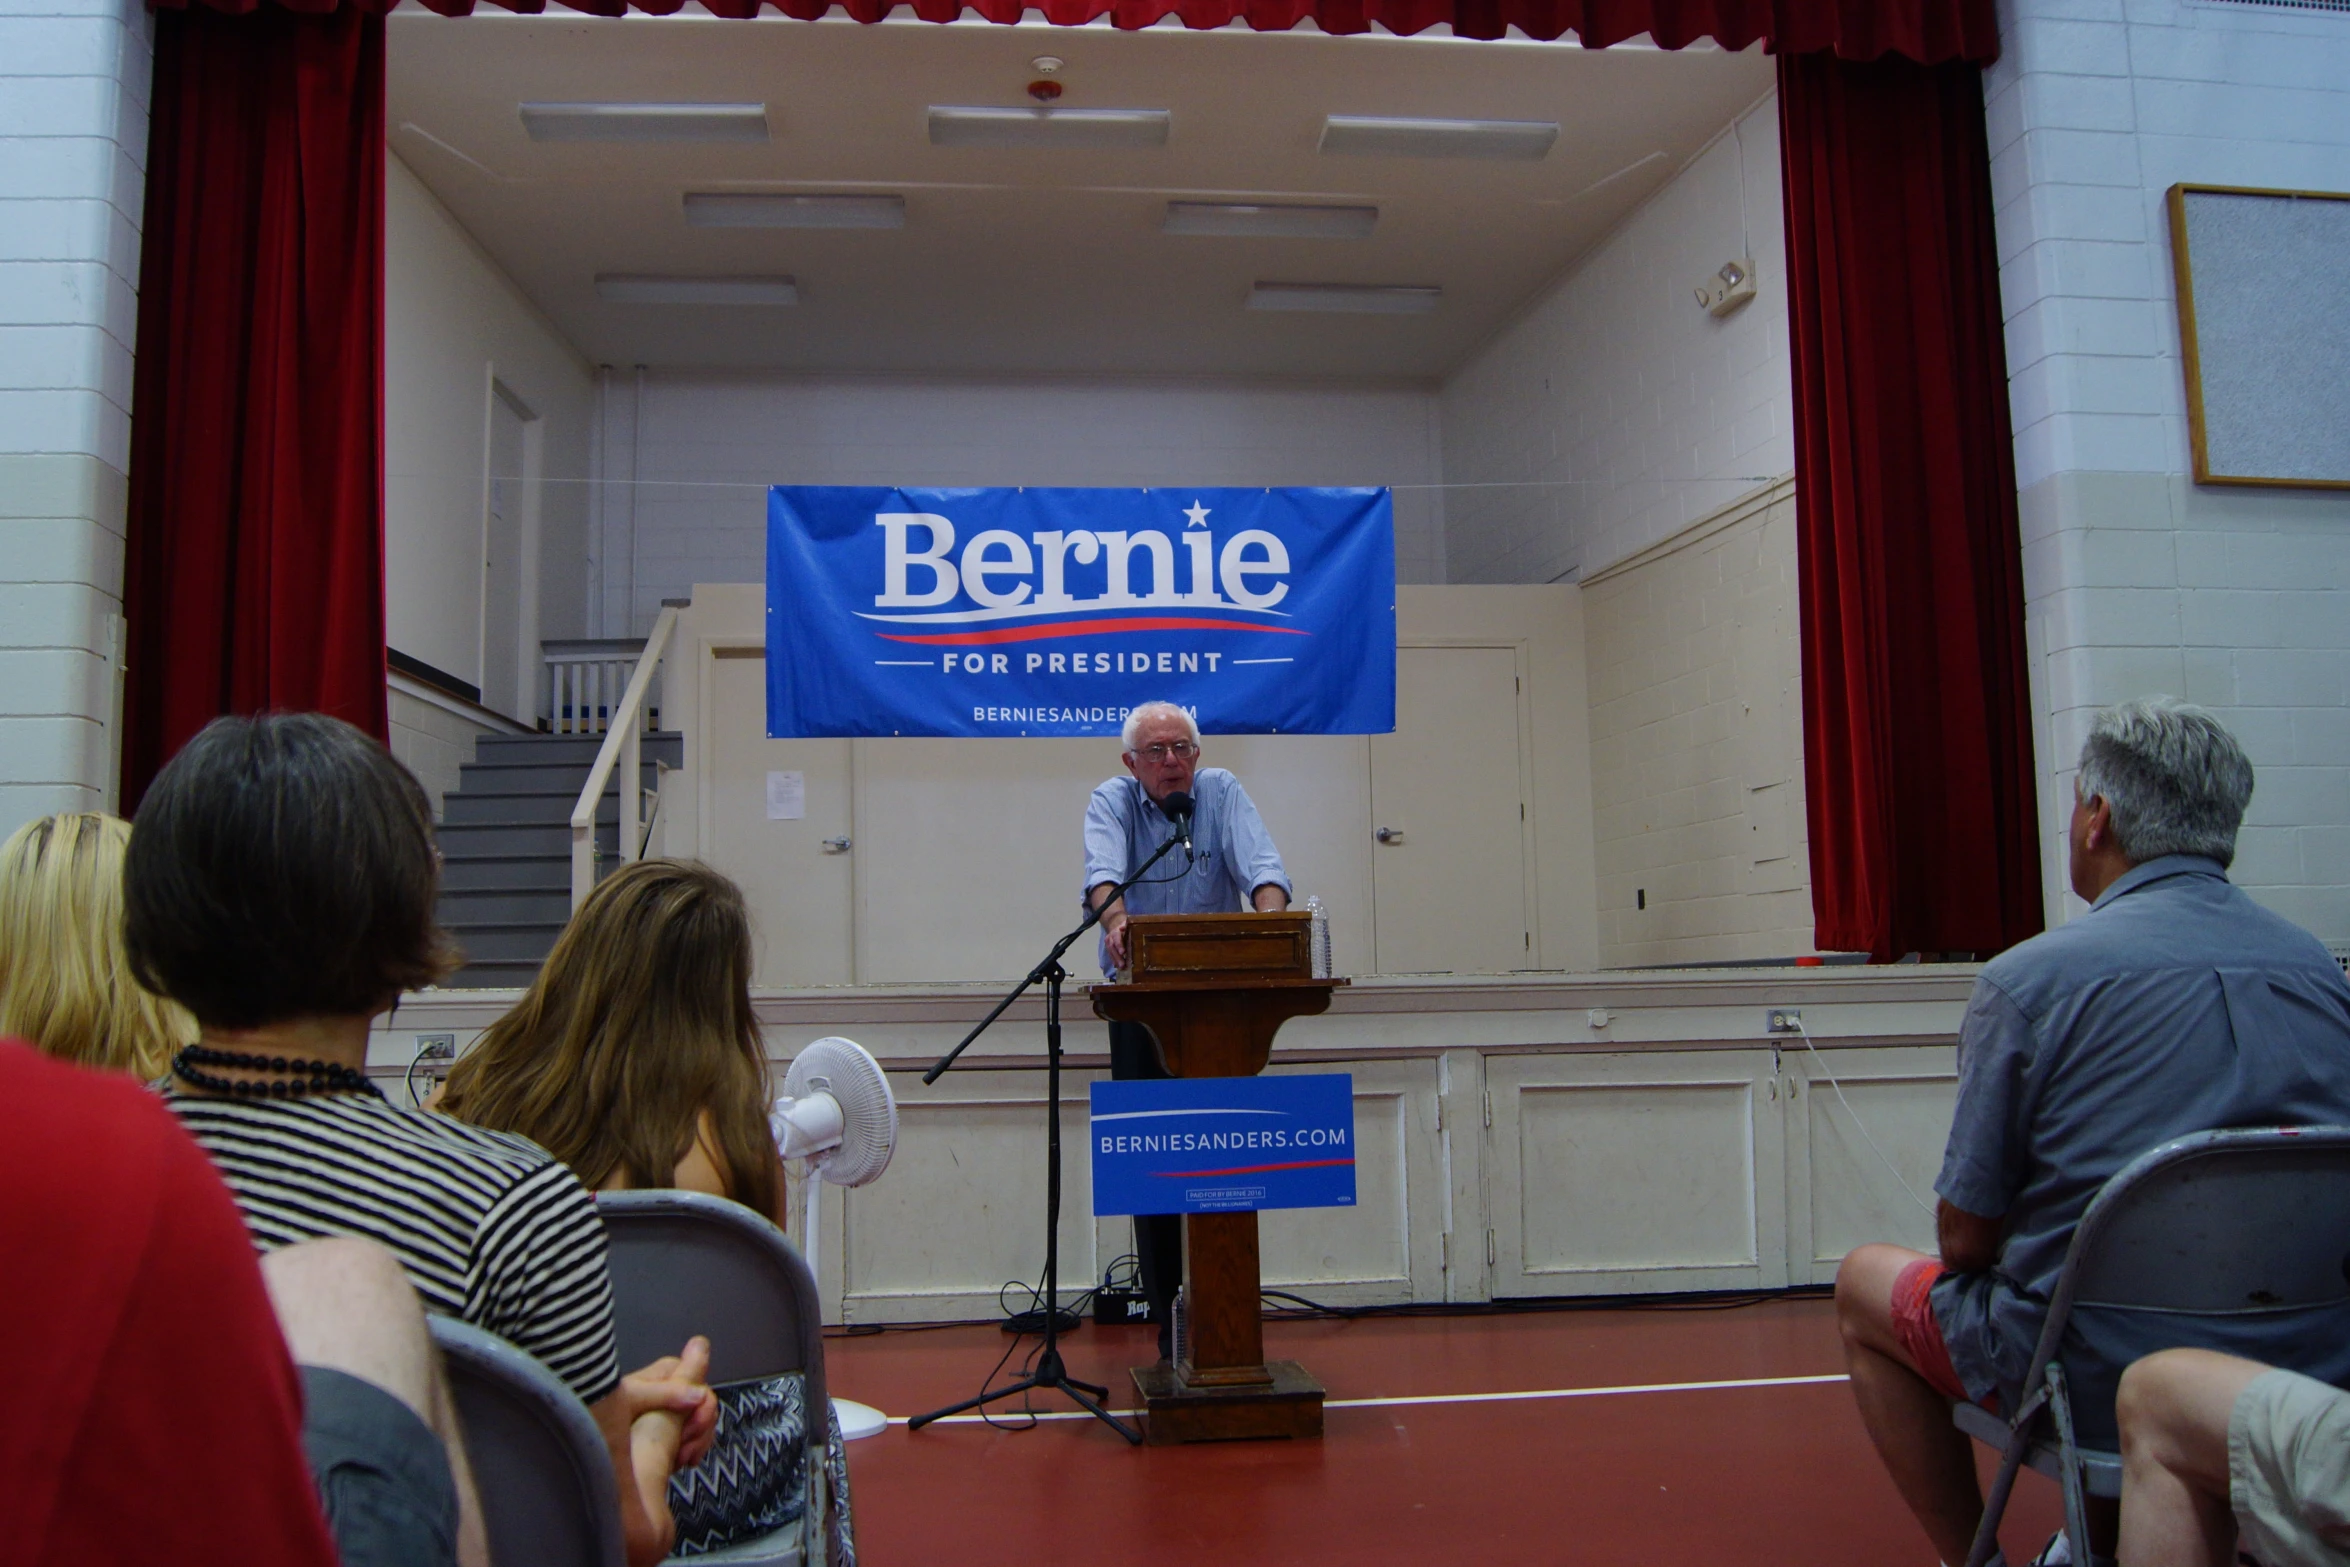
x=254, y=576
x=1917, y=741
x=1924, y=30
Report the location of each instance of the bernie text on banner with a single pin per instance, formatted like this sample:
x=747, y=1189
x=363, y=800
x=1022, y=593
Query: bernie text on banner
x=1056, y=612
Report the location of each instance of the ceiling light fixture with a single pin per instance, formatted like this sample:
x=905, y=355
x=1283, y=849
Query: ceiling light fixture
x=1071, y=128
x=623, y=288
x=1361, y=299
x=726, y=209
x=1275, y=221
x=645, y=121
x=1376, y=137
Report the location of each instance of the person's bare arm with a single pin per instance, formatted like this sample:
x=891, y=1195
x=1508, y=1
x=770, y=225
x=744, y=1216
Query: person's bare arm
x=1969, y=1242
x=1113, y=919
x=1271, y=898
x=658, y=1420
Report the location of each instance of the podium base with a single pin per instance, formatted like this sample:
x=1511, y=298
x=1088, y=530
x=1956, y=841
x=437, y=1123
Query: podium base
x=1289, y=1406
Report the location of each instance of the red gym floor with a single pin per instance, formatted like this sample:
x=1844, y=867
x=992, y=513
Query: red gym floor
x=1640, y=1468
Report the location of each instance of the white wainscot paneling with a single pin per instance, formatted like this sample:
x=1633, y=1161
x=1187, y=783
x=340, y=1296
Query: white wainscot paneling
x=1388, y=1247
x=1629, y=1173
x=960, y=1211
x=1848, y=1156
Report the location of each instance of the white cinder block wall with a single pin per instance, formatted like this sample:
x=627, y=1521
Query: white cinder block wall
x=73, y=150
x=2136, y=579
x=1614, y=411
x=705, y=447
x=1618, y=435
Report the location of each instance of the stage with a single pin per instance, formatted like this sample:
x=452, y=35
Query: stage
x=1670, y=1435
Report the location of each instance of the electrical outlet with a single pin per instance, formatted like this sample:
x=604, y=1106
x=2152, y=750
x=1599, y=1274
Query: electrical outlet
x=1783, y=1020
x=436, y=1047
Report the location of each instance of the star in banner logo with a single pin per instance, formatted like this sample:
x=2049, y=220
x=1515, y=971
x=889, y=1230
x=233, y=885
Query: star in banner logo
x=1198, y=515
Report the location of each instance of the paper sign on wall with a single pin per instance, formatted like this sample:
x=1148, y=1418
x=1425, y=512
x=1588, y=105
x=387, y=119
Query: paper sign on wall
x=787, y=796
x=1223, y=1144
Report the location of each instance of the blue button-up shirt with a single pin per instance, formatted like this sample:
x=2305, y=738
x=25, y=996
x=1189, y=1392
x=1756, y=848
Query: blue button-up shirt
x=2175, y=1005
x=1233, y=854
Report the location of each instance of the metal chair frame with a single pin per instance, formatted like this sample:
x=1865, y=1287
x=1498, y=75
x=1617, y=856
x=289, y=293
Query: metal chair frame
x=558, y=1465
x=685, y=1263
x=2042, y=1429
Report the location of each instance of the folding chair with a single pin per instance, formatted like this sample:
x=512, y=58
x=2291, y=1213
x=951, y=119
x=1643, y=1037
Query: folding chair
x=539, y=1463
x=684, y=1263
x=2224, y=1227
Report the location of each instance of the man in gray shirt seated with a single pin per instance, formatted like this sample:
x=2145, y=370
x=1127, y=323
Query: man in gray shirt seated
x=1233, y=866
x=2175, y=1005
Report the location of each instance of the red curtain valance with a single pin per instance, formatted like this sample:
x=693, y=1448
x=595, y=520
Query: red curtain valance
x=1927, y=31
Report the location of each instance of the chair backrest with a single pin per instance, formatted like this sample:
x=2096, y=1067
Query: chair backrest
x=544, y=1474
x=684, y=1263
x=2221, y=1223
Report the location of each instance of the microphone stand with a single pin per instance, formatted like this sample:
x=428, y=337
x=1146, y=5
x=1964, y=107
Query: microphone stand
x=1050, y=1372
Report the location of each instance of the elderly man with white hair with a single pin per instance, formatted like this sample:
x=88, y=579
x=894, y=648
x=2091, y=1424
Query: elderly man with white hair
x=2176, y=1004
x=1233, y=866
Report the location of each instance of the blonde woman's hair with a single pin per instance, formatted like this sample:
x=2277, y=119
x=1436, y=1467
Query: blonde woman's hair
x=638, y=1023
x=65, y=983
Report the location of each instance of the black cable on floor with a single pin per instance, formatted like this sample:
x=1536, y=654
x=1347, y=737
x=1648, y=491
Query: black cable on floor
x=1286, y=1304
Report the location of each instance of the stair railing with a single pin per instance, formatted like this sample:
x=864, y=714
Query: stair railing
x=623, y=748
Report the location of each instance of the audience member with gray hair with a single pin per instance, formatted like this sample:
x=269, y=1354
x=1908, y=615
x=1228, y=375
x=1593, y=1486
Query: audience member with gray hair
x=2176, y=1004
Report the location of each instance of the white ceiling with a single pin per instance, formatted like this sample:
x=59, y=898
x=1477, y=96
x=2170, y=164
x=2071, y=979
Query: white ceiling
x=1037, y=261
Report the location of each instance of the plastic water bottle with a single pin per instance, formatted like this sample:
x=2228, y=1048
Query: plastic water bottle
x=1319, y=936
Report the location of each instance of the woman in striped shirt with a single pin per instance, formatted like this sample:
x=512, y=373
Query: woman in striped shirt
x=280, y=886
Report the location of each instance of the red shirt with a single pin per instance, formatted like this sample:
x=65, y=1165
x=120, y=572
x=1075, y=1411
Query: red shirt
x=155, y=1414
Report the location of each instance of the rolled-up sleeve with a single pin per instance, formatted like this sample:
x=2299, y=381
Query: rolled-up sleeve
x=1248, y=846
x=1105, y=838
x=1984, y=1163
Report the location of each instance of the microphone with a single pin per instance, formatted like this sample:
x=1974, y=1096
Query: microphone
x=1177, y=807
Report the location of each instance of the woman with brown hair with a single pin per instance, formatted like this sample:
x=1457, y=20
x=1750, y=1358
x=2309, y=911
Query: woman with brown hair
x=635, y=1059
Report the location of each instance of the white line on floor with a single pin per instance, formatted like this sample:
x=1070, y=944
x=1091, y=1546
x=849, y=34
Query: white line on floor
x=1015, y=1417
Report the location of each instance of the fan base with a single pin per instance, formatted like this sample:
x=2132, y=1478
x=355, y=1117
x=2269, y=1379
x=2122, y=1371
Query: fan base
x=858, y=1421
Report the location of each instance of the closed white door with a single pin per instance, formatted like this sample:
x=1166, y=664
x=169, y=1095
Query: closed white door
x=795, y=872
x=502, y=564
x=1448, y=817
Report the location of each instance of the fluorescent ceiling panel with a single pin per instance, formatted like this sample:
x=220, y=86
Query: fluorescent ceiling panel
x=638, y=289
x=1361, y=299
x=1375, y=137
x=775, y=210
x=645, y=121
x=1285, y=221
x=1073, y=128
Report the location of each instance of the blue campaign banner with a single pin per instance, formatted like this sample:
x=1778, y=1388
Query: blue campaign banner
x=1222, y=1144
x=1056, y=612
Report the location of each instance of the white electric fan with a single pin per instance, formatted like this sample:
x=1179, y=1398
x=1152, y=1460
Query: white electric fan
x=838, y=1114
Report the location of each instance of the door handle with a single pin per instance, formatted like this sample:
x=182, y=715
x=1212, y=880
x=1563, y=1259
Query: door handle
x=1389, y=835
x=837, y=845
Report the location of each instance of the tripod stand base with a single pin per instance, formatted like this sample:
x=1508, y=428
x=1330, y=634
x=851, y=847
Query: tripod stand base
x=1289, y=1406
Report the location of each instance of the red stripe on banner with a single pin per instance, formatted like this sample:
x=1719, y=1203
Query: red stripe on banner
x=1085, y=628
x=1249, y=1169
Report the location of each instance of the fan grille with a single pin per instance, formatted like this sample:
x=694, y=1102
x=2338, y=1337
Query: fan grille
x=869, y=1111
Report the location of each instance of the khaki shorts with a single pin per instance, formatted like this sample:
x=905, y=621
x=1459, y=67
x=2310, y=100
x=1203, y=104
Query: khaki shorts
x=2289, y=1471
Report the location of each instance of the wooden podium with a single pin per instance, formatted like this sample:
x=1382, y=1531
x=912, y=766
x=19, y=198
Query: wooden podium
x=1213, y=989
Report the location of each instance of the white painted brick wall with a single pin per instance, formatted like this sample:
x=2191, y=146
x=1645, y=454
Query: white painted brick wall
x=2136, y=579
x=1696, y=744
x=73, y=143
x=711, y=444
x=1614, y=411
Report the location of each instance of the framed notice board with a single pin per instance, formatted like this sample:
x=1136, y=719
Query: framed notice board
x=2264, y=328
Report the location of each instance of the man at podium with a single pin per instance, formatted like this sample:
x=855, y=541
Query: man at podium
x=1233, y=867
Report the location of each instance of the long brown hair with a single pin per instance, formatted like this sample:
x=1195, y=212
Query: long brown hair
x=639, y=1021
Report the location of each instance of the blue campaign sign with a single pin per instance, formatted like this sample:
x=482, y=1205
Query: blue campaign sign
x=1221, y=1144
x=1056, y=612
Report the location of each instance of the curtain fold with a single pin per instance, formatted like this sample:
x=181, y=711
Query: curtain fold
x=1917, y=740
x=254, y=569
x=1924, y=30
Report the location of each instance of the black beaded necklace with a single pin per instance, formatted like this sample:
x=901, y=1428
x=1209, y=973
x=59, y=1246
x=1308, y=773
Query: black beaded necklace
x=308, y=1077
